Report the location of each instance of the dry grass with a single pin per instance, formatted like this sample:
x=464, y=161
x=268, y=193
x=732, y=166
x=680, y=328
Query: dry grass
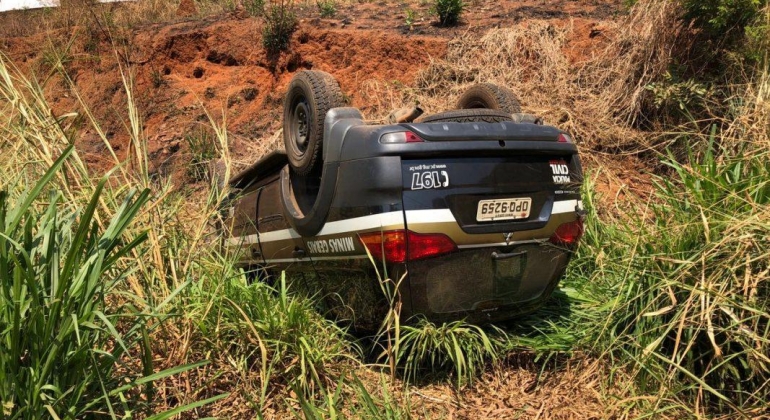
x=87, y=14
x=599, y=99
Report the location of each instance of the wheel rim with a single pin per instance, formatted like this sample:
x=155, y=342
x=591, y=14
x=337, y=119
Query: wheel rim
x=301, y=126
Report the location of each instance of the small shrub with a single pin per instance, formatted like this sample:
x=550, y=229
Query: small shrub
x=254, y=7
x=249, y=93
x=280, y=24
x=449, y=11
x=410, y=15
x=722, y=18
x=327, y=8
x=677, y=97
x=737, y=26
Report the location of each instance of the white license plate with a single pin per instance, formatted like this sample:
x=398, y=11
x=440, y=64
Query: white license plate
x=503, y=209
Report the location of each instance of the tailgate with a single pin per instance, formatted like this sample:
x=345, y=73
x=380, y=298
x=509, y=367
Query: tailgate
x=500, y=264
x=475, y=199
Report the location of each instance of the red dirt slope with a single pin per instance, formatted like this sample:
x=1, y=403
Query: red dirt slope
x=185, y=69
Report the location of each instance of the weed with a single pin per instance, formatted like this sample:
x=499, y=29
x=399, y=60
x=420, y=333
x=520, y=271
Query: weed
x=676, y=97
x=410, y=16
x=280, y=24
x=249, y=93
x=254, y=7
x=203, y=150
x=157, y=78
x=455, y=346
x=327, y=8
x=449, y=11
x=364, y=404
x=285, y=338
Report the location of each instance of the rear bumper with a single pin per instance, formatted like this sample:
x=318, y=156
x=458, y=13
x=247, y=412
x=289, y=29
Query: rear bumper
x=485, y=284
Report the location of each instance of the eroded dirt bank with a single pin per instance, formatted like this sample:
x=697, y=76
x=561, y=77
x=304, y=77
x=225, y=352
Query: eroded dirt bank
x=185, y=72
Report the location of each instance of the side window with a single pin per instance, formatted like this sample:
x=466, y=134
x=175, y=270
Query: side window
x=270, y=209
x=244, y=214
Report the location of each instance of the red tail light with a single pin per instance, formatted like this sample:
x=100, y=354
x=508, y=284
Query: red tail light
x=568, y=234
x=563, y=138
x=393, y=245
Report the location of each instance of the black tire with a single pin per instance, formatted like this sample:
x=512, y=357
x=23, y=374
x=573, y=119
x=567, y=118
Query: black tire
x=468, y=115
x=489, y=96
x=310, y=96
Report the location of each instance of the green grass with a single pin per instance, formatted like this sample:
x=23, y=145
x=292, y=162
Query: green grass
x=89, y=269
x=677, y=292
x=268, y=331
x=350, y=398
x=458, y=347
x=60, y=340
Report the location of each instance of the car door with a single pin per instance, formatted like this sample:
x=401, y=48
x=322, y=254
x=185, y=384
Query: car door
x=242, y=223
x=281, y=246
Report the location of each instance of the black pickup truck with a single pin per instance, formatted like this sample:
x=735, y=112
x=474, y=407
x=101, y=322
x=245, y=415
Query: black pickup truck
x=475, y=212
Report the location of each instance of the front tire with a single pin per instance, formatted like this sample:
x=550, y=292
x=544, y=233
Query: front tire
x=310, y=96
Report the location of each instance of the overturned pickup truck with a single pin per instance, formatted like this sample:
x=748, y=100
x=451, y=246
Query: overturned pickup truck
x=474, y=212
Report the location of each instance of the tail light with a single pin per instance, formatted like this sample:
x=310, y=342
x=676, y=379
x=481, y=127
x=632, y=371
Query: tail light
x=563, y=138
x=568, y=234
x=392, y=245
x=400, y=137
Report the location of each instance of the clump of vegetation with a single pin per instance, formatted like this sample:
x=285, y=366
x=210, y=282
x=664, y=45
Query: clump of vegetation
x=455, y=346
x=203, y=150
x=327, y=8
x=724, y=35
x=254, y=7
x=680, y=98
x=156, y=77
x=409, y=16
x=724, y=22
x=280, y=24
x=358, y=401
x=81, y=299
x=449, y=11
x=684, y=290
x=270, y=330
x=61, y=345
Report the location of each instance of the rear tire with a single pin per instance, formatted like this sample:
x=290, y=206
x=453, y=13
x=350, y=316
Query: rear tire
x=468, y=115
x=490, y=96
x=310, y=96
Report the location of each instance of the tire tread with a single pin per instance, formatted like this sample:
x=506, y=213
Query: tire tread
x=491, y=96
x=468, y=115
x=325, y=94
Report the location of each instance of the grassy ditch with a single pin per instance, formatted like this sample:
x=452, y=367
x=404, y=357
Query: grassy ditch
x=116, y=301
